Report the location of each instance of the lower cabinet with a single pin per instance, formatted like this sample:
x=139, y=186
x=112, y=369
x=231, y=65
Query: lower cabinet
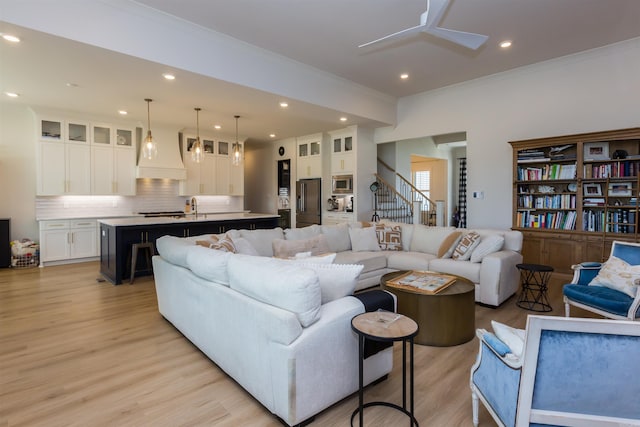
x=116, y=241
x=68, y=240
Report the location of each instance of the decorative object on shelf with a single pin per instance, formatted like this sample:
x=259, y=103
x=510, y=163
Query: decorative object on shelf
x=237, y=154
x=620, y=154
x=572, y=187
x=149, y=149
x=546, y=189
x=620, y=189
x=197, y=151
x=596, y=151
x=592, y=190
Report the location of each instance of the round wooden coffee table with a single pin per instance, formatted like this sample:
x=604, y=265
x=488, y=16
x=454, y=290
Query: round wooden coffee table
x=446, y=318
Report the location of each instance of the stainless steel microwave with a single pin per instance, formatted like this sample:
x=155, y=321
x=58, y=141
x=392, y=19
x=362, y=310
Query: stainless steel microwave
x=342, y=184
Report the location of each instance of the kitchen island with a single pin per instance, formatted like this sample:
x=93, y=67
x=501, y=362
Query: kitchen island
x=118, y=234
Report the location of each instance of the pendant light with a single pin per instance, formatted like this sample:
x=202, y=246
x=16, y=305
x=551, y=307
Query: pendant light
x=237, y=154
x=196, y=149
x=149, y=148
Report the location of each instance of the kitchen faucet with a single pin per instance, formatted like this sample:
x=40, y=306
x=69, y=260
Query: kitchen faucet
x=194, y=206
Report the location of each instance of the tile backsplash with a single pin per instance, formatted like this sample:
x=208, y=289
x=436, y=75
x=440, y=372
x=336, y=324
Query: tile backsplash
x=152, y=195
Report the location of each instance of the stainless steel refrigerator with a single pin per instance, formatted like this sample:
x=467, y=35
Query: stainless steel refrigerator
x=308, y=203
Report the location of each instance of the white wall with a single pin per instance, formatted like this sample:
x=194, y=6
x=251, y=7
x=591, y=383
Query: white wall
x=18, y=170
x=593, y=91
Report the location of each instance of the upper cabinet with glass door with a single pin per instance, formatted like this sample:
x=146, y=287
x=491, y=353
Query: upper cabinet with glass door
x=309, y=156
x=77, y=132
x=51, y=129
x=342, y=153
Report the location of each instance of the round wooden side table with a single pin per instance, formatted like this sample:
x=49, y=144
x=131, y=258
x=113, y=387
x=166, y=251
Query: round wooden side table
x=386, y=326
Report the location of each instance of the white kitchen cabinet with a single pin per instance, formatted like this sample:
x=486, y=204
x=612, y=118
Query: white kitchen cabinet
x=113, y=170
x=68, y=240
x=309, y=156
x=51, y=129
x=101, y=134
x=337, y=218
x=64, y=168
x=201, y=177
x=342, y=153
x=77, y=132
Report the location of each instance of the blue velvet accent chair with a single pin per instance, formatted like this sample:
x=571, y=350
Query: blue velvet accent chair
x=604, y=301
x=572, y=372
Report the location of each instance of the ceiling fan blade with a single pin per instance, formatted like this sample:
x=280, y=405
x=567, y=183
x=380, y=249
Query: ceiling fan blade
x=435, y=9
x=408, y=31
x=469, y=40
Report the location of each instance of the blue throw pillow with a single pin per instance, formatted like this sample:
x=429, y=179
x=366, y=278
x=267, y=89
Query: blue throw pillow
x=497, y=345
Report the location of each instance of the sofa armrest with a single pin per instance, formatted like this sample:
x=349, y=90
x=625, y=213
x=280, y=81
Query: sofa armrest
x=499, y=277
x=584, y=272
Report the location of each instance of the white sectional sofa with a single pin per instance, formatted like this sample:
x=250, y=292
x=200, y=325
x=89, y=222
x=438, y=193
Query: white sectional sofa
x=281, y=329
x=491, y=266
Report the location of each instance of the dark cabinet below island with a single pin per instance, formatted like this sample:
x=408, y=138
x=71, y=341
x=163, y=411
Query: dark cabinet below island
x=118, y=235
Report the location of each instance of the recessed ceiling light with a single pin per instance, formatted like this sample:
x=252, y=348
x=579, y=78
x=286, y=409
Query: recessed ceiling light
x=404, y=76
x=343, y=119
x=168, y=76
x=11, y=38
x=11, y=94
x=122, y=112
x=217, y=126
x=284, y=104
x=71, y=84
x=505, y=44
x=272, y=135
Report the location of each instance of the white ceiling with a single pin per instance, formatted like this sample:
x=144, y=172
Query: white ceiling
x=323, y=34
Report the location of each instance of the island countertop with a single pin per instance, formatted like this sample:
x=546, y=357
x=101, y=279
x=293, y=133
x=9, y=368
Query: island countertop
x=189, y=219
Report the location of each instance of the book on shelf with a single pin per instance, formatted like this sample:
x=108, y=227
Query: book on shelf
x=427, y=282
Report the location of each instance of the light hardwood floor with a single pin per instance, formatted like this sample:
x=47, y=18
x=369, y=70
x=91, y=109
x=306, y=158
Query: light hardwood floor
x=74, y=351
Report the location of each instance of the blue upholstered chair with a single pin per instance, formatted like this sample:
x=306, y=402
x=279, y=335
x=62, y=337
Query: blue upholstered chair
x=603, y=300
x=572, y=372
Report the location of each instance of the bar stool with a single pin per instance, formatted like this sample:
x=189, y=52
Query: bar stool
x=535, y=280
x=149, y=252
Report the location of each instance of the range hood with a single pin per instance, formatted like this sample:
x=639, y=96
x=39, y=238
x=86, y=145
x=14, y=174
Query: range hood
x=168, y=163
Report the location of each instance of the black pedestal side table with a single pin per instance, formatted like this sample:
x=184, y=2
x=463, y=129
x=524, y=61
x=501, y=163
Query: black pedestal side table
x=535, y=280
x=386, y=326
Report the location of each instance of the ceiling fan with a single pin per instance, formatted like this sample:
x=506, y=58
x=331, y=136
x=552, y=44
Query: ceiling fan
x=428, y=24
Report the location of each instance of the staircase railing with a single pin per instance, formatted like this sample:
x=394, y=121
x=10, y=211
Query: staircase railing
x=395, y=202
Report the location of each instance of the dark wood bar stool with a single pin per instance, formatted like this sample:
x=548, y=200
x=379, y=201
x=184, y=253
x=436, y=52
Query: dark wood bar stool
x=149, y=249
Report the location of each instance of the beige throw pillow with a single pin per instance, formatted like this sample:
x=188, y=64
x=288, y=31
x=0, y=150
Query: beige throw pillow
x=449, y=244
x=619, y=275
x=289, y=248
x=364, y=239
x=487, y=245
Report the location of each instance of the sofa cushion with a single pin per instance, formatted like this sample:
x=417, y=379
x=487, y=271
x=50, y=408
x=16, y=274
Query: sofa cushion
x=336, y=280
x=428, y=239
x=260, y=239
x=600, y=297
x=337, y=237
x=619, y=275
x=174, y=249
x=209, y=264
x=487, y=245
x=370, y=261
x=306, y=257
x=409, y=260
x=288, y=248
x=449, y=244
x=243, y=246
x=364, y=239
x=468, y=270
x=389, y=237
x=302, y=233
x=279, y=283
x=466, y=246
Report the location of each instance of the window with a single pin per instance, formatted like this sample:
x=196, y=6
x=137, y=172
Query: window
x=422, y=181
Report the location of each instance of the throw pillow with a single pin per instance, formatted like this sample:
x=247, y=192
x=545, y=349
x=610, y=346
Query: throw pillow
x=449, y=244
x=487, y=245
x=619, y=275
x=364, y=239
x=466, y=246
x=260, y=239
x=208, y=242
x=336, y=280
x=337, y=237
x=210, y=265
x=389, y=237
x=307, y=257
x=427, y=239
x=225, y=244
x=288, y=248
x=243, y=246
x=302, y=233
x=512, y=337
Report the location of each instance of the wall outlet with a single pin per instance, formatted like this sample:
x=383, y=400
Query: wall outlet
x=478, y=194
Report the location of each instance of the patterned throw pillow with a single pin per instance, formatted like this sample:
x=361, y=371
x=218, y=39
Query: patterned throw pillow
x=389, y=237
x=619, y=275
x=225, y=244
x=487, y=245
x=209, y=242
x=467, y=244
